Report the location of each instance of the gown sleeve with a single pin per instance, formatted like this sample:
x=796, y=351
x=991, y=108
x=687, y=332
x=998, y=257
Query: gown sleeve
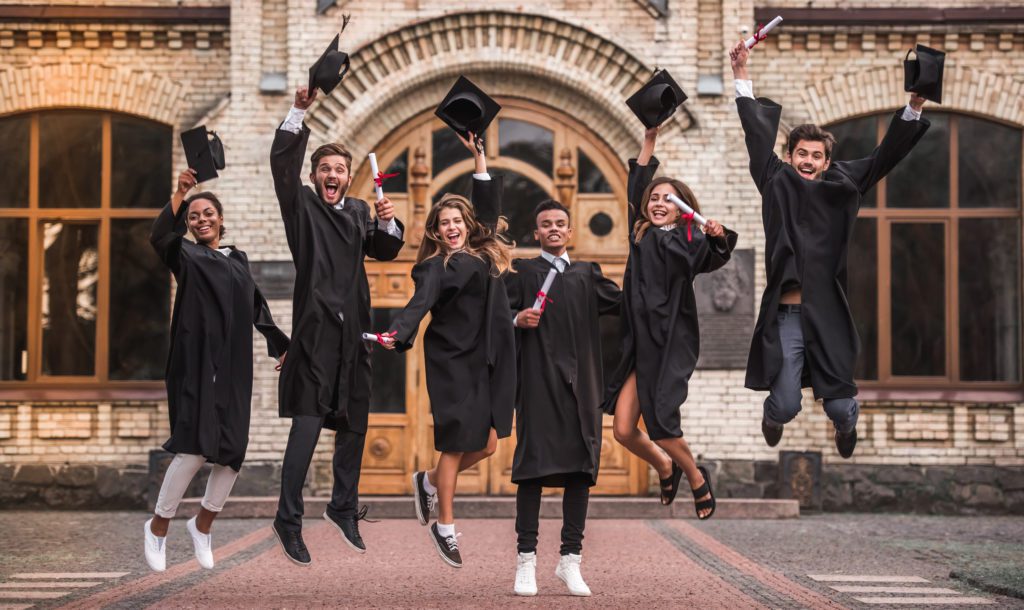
x=900, y=138
x=286, y=158
x=378, y=243
x=609, y=296
x=167, y=234
x=277, y=341
x=760, y=121
x=486, y=199
x=427, y=277
x=640, y=177
x=514, y=288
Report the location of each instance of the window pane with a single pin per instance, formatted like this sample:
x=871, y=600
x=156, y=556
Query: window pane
x=447, y=150
x=527, y=142
x=14, y=152
x=140, y=302
x=989, y=157
x=856, y=139
x=918, y=299
x=400, y=183
x=521, y=195
x=140, y=163
x=990, y=307
x=13, y=296
x=862, y=294
x=921, y=180
x=70, y=163
x=591, y=180
x=70, y=272
x=388, y=369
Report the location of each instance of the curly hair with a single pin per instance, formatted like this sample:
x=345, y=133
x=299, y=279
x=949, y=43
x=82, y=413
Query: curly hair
x=488, y=245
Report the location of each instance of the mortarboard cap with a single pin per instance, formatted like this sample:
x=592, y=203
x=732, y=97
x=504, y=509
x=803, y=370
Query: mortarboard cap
x=328, y=71
x=657, y=100
x=923, y=75
x=467, y=108
x=204, y=152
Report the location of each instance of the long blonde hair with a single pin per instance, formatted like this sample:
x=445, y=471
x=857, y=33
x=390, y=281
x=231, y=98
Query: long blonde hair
x=643, y=222
x=481, y=241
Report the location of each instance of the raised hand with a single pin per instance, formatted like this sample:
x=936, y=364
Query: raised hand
x=304, y=98
x=475, y=145
x=713, y=228
x=186, y=181
x=385, y=209
x=738, y=56
x=916, y=102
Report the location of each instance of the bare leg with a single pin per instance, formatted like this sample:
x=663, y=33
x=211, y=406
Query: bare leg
x=471, y=458
x=204, y=520
x=445, y=476
x=679, y=450
x=627, y=416
x=159, y=525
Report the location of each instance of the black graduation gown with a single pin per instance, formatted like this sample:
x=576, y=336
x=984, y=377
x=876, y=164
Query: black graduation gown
x=469, y=344
x=327, y=372
x=808, y=225
x=558, y=416
x=209, y=367
x=661, y=334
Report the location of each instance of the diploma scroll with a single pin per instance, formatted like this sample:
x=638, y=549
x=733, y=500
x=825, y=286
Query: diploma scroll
x=542, y=296
x=377, y=338
x=687, y=210
x=762, y=33
x=378, y=184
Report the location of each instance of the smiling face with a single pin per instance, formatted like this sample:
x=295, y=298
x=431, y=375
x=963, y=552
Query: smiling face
x=451, y=228
x=331, y=178
x=809, y=158
x=553, y=231
x=661, y=211
x=205, y=222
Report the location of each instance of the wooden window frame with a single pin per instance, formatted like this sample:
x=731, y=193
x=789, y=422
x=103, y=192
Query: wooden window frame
x=36, y=385
x=949, y=386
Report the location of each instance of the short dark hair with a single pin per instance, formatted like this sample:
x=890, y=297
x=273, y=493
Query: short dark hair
x=550, y=204
x=329, y=149
x=813, y=133
x=207, y=195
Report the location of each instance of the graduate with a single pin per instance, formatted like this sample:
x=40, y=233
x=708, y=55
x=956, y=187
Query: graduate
x=209, y=367
x=326, y=381
x=661, y=335
x=558, y=416
x=805, y=335
x=469, y=344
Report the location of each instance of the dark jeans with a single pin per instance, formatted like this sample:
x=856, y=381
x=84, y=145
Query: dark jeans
x=348, y=458
x=574, y=514
x=783, y=403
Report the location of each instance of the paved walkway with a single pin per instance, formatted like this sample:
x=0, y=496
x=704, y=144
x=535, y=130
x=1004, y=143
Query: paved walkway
x=93, y=560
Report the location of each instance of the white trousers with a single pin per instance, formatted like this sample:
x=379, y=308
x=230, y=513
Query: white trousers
x=179, y=475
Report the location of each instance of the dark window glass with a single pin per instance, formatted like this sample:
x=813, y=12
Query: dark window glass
x=527, y=142
x=862, y=294
x=990, y=307
x=856, y=139
x=140, y=163
x=388, y=368
x=521, y=195
x=70, y=159
x=140, y=300
x=921, y=179
x=918, y=299
x=70, y=273
x=14, y=153
x=989, y=157
x=591, y=180
x=447, y=150
x=400, y=183
x=13, y=297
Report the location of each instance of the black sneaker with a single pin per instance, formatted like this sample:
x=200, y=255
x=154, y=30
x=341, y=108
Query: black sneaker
x=447, y=547
x=292, y=545
x=424, y=501
x=349, y=528
x=846, y=443
x=772, y=433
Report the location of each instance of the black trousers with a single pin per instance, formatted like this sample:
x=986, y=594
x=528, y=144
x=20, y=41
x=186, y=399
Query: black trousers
x=574, y=514
x=348, y=458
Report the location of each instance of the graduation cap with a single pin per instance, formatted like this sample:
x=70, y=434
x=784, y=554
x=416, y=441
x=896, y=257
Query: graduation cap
x=204, y=152
x=467, y=108
x=657, y=100
x=923, y=75
x=328, y=71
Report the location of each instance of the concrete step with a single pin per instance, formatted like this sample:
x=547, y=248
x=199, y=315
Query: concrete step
x=504, y=507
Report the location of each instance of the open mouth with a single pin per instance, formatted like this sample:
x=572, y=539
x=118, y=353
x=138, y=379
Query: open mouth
x=554, y=238
x=453, y=237
x=658, y=214
x=331, y=189
x=806, y=171
x=203, y=230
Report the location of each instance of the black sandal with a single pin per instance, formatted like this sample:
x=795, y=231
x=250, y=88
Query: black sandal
x=700, y=492
x=670, y=486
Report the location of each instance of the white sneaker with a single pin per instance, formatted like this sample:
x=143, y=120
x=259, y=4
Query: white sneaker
x=203, y=544
x=156, y=550
x=569, y=571
x=526, y=574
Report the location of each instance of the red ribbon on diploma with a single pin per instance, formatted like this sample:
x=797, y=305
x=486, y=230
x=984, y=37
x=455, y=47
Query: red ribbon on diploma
x=381, y=177
x=544, y=300
x=689, y=225
x=758, y=36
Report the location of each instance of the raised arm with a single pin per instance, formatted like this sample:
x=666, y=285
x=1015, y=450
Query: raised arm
x=287, y=152
x=759, y=118
x=170, y=226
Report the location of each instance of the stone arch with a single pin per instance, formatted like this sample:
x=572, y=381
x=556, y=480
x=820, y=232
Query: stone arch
x=410, y=69
x=56, y=85
x=967, y=89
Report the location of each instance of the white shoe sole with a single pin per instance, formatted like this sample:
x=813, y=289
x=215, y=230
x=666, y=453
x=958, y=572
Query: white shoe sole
x=343, y=536
x=190, y=526
x=571, y=592
x=525, y=593
x=146, y=532
x=416, y=498
x=441, y=552
x=290, y=558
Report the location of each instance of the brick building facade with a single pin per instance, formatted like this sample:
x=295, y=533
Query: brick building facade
x=942, y=425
